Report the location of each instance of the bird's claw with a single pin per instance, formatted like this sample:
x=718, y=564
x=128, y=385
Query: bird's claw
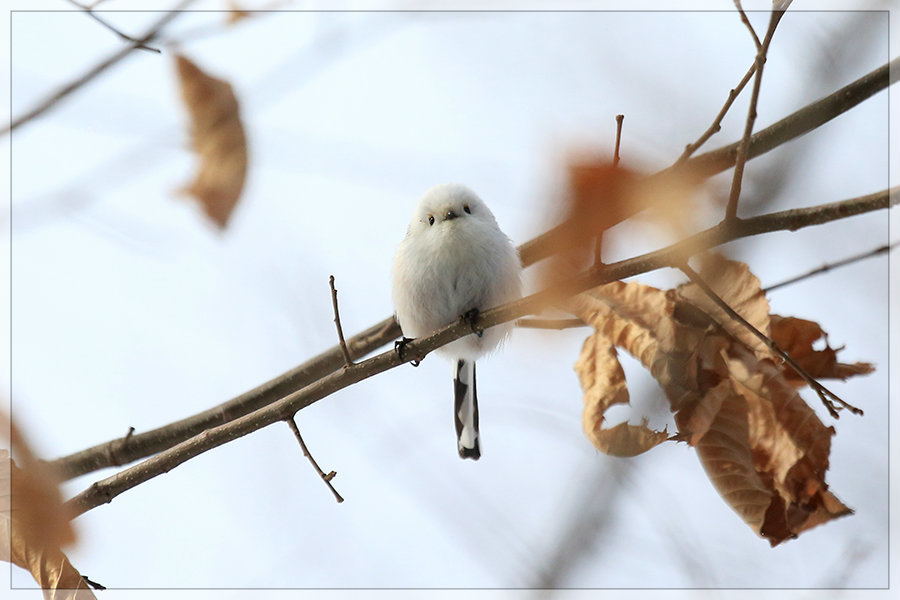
x=400, y=346
x=471, y=317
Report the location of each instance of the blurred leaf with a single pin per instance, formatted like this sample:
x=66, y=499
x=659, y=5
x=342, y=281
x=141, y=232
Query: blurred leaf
x=762, y=446
x=218, y=138
x=33, y=525
x=235, y=13
x=796, y=337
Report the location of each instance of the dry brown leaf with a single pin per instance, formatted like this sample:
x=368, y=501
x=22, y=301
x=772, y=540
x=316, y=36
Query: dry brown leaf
x=733, y=282
x=796, y=337
x=762, y=446
x=603, y=381
x=30, y=531
x=218, y=138
x=789, y=449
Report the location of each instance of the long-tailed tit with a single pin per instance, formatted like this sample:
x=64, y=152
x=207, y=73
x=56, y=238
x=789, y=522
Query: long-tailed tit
x=454, y=262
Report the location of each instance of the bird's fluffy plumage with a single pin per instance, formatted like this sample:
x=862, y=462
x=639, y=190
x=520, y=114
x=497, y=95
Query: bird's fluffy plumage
x=445, y=269
x=455, y=259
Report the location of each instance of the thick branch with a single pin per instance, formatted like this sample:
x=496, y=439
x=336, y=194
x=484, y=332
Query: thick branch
x=105, y=490
x=138, y=445
x=70, y=87
x=141, y=445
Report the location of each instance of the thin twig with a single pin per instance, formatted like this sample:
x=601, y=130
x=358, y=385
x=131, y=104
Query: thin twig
x=708, y=164
x=337, y=323
x=746, y=21
x=557, y=324
x=716, y=125
x=743, y=148
x=326, y=478
x=90, y=12
x=118, y=446
x=824, y=393
x=598, y=241
x=52, y=100
x=829, y=266
x=103, y=491
x=619, y=120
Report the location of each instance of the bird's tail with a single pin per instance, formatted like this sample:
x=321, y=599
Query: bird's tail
x=465, y=410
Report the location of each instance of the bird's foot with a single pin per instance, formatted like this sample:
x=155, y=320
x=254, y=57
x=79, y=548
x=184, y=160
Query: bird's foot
x=471, y=317
x=400, y=348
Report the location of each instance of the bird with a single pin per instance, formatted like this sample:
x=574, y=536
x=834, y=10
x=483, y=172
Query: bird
x=455, y=262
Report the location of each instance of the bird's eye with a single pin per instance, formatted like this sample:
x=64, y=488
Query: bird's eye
x=431, y=219
x=467, y=209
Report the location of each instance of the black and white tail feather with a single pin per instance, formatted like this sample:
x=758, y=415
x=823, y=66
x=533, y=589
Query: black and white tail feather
x=465, y=410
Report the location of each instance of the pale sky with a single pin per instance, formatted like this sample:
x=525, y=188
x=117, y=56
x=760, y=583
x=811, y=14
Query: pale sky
x=129, y=309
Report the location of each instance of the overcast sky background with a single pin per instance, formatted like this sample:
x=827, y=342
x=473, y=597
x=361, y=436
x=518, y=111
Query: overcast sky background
x=129, y=309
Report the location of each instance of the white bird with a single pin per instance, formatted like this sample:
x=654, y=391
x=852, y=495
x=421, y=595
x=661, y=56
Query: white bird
x=454, y=262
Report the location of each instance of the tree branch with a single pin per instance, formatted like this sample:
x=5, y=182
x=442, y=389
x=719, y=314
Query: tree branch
x=746, y=22
x=337, y=323
x=325, y=477
x=557, y=324
x=89, y=10
x=141, y=445
x=574, y=323
x=104, y=491
x=51, y=101
x=716, y=161
x=716, y=125
x=829, y=266
x=741, y=159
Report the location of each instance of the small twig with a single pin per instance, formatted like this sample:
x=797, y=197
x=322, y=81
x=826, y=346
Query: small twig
x=827, y=267
x=619, y=119
x=90, y=12
x=51, y=101
x=746, y=21
x=716, y=125
x=744, y=146
x=326, y=478
x=337, y=323
x=824, y=393
x=598, y=241
x=558, y=324
x=118, y=445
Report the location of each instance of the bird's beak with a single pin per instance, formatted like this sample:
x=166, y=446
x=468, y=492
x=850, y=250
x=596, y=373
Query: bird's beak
x=450, y=215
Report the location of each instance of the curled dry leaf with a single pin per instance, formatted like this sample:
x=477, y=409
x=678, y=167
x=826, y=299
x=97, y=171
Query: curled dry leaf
x=32, y=527
x=762, y=446
x=218, y=138
x=603, y=381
